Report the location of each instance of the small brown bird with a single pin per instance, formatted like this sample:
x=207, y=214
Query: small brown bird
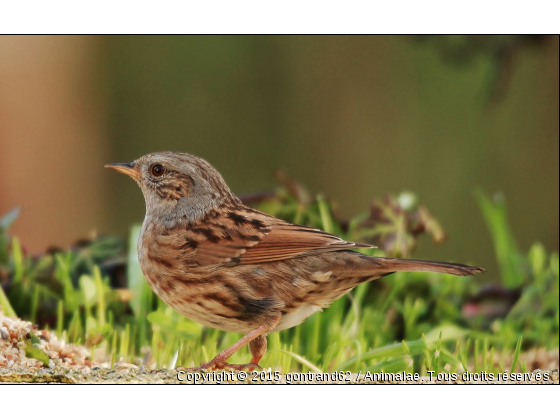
x=234, y=268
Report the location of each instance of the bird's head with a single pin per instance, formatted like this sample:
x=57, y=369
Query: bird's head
x=177, y=185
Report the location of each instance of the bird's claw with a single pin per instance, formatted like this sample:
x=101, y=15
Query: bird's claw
x=219, y=364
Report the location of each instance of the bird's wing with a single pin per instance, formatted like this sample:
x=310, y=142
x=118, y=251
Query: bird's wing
x=246, y=236
x=286, y=240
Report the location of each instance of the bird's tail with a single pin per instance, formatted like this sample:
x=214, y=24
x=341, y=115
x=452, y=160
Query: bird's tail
x=391, y=265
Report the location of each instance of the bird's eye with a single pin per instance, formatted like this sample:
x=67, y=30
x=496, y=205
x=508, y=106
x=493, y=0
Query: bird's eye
x=158, y=170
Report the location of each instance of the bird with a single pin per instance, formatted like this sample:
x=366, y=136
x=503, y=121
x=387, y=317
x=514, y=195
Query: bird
x=234, y=268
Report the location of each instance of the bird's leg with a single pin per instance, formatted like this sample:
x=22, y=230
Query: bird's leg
x=220, y=361
x=257, y=347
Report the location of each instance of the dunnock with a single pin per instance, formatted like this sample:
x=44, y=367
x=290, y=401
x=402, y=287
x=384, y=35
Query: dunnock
x=234, y=268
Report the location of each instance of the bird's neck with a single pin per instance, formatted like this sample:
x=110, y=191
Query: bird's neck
x=187, y=210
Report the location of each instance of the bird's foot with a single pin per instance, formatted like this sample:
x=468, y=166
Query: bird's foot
x=219, y=363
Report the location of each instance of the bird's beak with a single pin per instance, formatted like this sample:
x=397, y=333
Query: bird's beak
x=124, y=168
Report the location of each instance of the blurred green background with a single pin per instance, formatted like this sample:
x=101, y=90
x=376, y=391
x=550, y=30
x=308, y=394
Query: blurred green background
x=354, y=117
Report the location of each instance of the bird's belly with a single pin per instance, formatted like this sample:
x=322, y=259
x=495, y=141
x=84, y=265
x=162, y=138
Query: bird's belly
x=187, y=299
x=296, y=317
x=209, y=318
x=193, y=303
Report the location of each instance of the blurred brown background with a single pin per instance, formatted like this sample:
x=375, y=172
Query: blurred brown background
x=354, y=117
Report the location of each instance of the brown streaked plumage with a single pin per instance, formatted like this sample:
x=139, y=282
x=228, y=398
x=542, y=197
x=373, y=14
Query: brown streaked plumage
x=231, y=267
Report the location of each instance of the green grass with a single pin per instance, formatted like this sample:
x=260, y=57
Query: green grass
x=413, y=322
